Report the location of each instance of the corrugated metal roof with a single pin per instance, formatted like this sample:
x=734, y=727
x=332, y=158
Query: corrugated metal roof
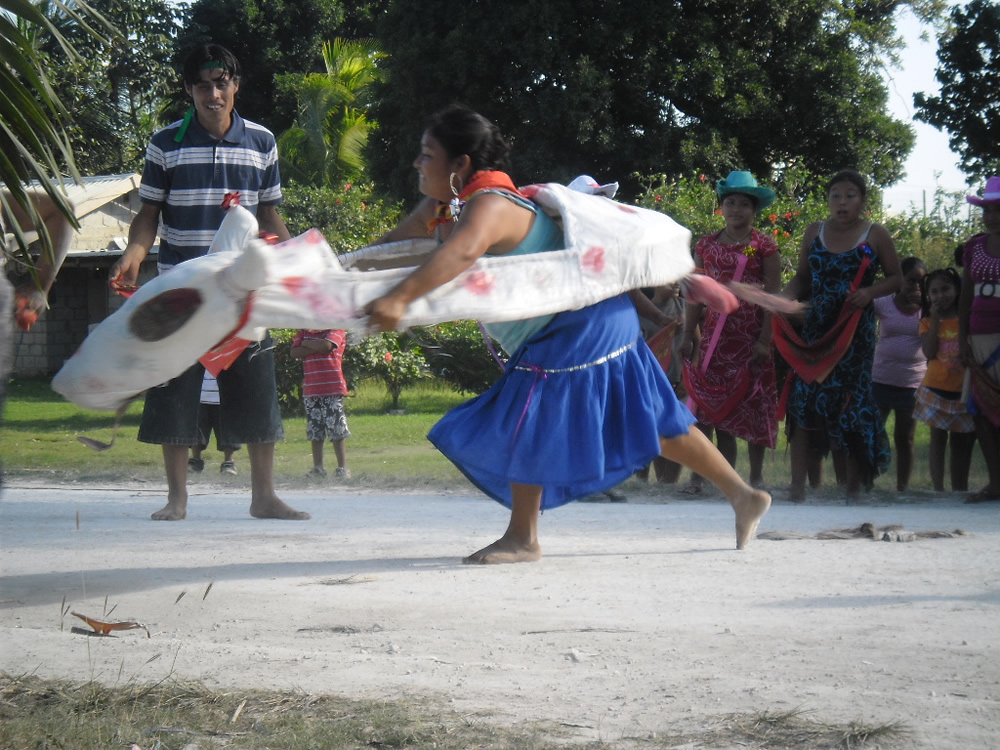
x=98, y=190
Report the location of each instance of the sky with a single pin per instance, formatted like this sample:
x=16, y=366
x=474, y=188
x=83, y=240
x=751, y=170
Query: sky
x=931, y=154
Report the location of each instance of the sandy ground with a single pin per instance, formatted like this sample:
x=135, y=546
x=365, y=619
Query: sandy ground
x=641, y=618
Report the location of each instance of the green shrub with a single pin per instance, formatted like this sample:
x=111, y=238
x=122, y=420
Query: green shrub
x=350, y=217
x=692, y=202
x=395, y=359
x=932, y=236
x=287, y=373
x=457, y=353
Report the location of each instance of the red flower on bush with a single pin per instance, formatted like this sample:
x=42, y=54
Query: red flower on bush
x=773, y=218
x=388, y=357
x=702, y=177
x=658, y=198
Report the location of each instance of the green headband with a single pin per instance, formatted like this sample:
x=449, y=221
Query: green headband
x=212, y=65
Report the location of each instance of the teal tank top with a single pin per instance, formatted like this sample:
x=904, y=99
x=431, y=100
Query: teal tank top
x=544, y=236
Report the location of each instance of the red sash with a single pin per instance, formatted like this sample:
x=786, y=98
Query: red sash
x=662, y=344
x=813, y=362
x=716, y=400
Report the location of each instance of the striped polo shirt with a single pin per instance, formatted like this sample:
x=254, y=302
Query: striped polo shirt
x=188, y=180
x=324, y=375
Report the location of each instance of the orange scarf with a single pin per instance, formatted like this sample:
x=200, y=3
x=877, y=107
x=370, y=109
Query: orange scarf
x=482, y=180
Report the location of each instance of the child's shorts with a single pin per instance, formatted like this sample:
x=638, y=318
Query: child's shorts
x=325, y=418
x=893, y=397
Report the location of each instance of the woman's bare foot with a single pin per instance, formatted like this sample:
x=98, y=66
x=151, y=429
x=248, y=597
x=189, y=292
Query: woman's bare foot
x=172, y=511
x=274, y=507
x=505, y=550
x=750, y=507
x=796, y=495
x=985, y=495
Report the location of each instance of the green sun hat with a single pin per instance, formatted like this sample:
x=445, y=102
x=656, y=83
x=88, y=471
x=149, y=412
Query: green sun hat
x=746, y=184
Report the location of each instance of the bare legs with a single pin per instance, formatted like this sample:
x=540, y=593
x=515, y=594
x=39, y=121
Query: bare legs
x=961, y=458
x=989, y=442
x=902, y=438
x=696, y=451
x=176, y=465
x=264, y=502
x=519, y=542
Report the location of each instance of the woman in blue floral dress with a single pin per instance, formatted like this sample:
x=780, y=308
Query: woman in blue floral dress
x=837, y=275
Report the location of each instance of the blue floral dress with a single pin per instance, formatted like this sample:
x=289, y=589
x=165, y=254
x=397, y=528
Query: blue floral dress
x=840, y=412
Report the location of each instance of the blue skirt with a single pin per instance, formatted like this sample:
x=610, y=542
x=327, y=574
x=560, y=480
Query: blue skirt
x=580, y=408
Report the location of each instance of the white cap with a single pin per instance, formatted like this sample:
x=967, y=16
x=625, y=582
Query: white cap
x=587, y=184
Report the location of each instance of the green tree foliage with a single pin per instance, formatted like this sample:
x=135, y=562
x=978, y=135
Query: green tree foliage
x=968, y=107
x=270, y=38
x=619, y=88
x=325, y=146
x=117, y=86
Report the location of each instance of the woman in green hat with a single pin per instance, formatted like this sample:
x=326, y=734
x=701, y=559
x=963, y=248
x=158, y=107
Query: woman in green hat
x=731, y=383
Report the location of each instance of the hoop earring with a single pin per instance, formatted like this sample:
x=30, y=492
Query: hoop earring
x=451, y=183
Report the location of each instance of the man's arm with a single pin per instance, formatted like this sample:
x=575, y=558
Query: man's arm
x=270, y=221
x=141, y=236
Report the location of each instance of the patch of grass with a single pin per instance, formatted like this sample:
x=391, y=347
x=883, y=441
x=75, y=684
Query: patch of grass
x=385, y=451
x=792, y=729
x=171, y=715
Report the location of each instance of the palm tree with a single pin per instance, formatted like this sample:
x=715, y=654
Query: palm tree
x=34, y=145
x=325, y=145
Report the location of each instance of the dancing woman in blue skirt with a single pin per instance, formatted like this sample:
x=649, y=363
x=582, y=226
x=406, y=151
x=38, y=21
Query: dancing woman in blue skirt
x=583, y=402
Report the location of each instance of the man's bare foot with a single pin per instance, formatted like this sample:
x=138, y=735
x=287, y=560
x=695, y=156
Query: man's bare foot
x=750, y=508
x=172, y=511
x=275, y=507
x=504, y=551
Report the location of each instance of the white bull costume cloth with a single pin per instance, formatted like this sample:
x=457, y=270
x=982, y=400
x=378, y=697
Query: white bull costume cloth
x=248, y=285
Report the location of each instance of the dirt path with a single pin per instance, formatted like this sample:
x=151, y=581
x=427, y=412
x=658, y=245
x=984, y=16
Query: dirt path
x=641, y=618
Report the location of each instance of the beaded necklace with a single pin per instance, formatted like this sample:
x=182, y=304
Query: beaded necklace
x=985, y=266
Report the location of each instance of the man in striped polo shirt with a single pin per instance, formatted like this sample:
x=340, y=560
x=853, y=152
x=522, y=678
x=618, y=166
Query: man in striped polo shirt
x=190, y=166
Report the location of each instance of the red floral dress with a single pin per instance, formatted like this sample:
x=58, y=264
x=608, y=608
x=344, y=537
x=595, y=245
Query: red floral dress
x=747, y=414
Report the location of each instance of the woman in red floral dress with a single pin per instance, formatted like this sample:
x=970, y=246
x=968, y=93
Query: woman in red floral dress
x=732, y=382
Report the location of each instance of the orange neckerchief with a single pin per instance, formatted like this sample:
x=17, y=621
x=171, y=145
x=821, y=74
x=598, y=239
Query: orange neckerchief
x=482, y=180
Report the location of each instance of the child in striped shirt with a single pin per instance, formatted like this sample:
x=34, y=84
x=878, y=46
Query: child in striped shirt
x=323, y=391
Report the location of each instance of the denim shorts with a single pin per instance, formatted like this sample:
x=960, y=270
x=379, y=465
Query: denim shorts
x=248, y=399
